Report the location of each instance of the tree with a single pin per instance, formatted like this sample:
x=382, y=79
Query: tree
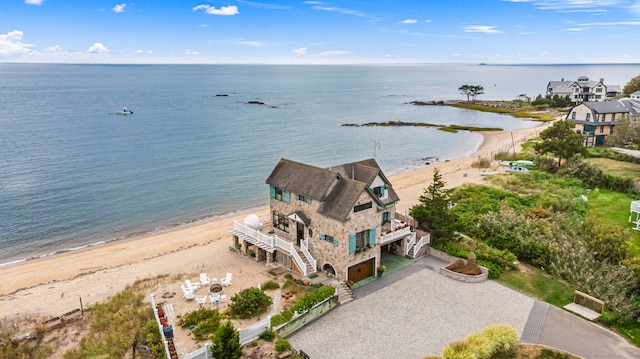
x=632, y=86
x=226, y=342
x=561, y=140
x=433, y=212
x=471, y=91
x=624, y=134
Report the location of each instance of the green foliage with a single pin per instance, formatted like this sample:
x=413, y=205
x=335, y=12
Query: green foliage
x=268, y=335
x=471, y=91
x=151, y=333
x=249, y=303
x=551, y=101
x=226, y=342
x=594, y=177
x=539, y=284
x=204, y=322
x=270, y=285
x=282, y=345
x=281, y=318
x=561, y=140
x=606, y=242
x=313, y=298
x=484, y=344
x=433, y=212
x=632, y=86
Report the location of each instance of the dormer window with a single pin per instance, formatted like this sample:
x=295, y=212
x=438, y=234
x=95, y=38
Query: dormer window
x=379, y=191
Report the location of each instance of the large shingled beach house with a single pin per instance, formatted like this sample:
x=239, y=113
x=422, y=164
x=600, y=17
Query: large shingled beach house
x=340, y=220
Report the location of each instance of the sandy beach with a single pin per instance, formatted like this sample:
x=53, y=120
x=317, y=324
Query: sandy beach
x=51, y=286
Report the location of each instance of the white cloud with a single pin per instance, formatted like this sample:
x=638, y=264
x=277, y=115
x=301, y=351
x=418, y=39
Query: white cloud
x=97, y=48
x=333, y=53
x=323, y=7
x=251, y=43
x=191, y=52
x=119, y=8
x=482, y=28
x=427, y=21
x=203, y=25
x=223, y=10
x=409, y=21
x=144, y=52
x=301, y=51
x=635, y=8
x=33, y=2
x=577, y=29
x=11, y=43
x=612, y=23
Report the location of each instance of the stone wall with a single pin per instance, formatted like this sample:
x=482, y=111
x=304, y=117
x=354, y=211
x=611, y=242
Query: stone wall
x=483, y=276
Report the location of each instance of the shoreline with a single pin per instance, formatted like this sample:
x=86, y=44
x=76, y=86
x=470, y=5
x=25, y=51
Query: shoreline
x=59, y=279
x=203, y=219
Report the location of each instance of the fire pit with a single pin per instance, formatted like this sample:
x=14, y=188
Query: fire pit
x=215, y=288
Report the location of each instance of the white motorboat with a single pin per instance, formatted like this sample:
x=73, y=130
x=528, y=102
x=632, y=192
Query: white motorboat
x=125, y=111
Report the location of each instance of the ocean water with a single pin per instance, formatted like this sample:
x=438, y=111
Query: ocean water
x=73, y=173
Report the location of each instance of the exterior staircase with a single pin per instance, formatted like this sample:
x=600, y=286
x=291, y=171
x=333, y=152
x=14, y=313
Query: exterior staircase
x=310, y=269
x=344, y=293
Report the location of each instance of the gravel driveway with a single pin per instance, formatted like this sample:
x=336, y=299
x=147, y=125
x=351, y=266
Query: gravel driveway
x=415, y=314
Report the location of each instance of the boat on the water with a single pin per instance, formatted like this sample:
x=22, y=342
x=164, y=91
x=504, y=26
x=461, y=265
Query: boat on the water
x=125, y=111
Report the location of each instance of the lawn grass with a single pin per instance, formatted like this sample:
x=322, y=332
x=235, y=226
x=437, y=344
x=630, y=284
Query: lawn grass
x=613, y=208
x=616, y=168
x=537, y=116
x=537, y=283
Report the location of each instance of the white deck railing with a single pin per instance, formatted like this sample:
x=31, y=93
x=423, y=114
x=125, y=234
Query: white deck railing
x=410, y=243
x=304, y=245
x=421, y=243
x=392, y=236
x=288, y=247
x=266, y=240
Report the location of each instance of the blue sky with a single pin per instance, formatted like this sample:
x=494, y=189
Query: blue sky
x=320, y=32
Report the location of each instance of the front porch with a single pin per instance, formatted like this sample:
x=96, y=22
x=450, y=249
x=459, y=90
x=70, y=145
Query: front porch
x=393, y=262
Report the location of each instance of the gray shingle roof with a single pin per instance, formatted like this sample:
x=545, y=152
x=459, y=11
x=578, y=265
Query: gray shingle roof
x=606, y=107
x=337, y=188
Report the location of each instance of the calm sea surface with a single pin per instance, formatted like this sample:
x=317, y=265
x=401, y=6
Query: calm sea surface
x=74, y=173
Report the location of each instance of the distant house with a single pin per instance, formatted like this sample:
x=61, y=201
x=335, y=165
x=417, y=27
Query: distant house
x=635, y=95
x=341, y=220
x=583, y=90
x=596, y=120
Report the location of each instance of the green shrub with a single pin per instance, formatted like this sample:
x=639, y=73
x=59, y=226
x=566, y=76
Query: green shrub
x=249, y=303
x=282, y=345
x=270, y=284
x=281, y=318
x=267, y=335
x=313, y=298
x=203, y=323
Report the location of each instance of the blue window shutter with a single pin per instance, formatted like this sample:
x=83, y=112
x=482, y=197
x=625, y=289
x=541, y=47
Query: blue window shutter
x=272, y=189
x=372, y=237
x=286, y=197
x=352, y=243
x=297, y=197
x=322, y=236
x=308, y=200
x=381, y=189
x=335, y=241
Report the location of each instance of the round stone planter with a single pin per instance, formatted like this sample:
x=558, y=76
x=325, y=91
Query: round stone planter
x=484, y=275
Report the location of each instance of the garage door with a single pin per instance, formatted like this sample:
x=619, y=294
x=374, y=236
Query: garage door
x=361, y=270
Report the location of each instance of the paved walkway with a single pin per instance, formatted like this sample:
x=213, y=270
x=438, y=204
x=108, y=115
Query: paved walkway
x=416, y=312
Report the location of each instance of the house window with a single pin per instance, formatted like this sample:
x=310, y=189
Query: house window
x=362, y=239
x=588, y=117
x=601, y=129
x=613, y=117
x=328, y=238
x=303, y=198
x=577, y=90
x=573, y=115
x=280, y=221
x=280, y=194
x=362, y=207
x=386, y=217
x=598, y=97
x=379, y=191
x=598, y=90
